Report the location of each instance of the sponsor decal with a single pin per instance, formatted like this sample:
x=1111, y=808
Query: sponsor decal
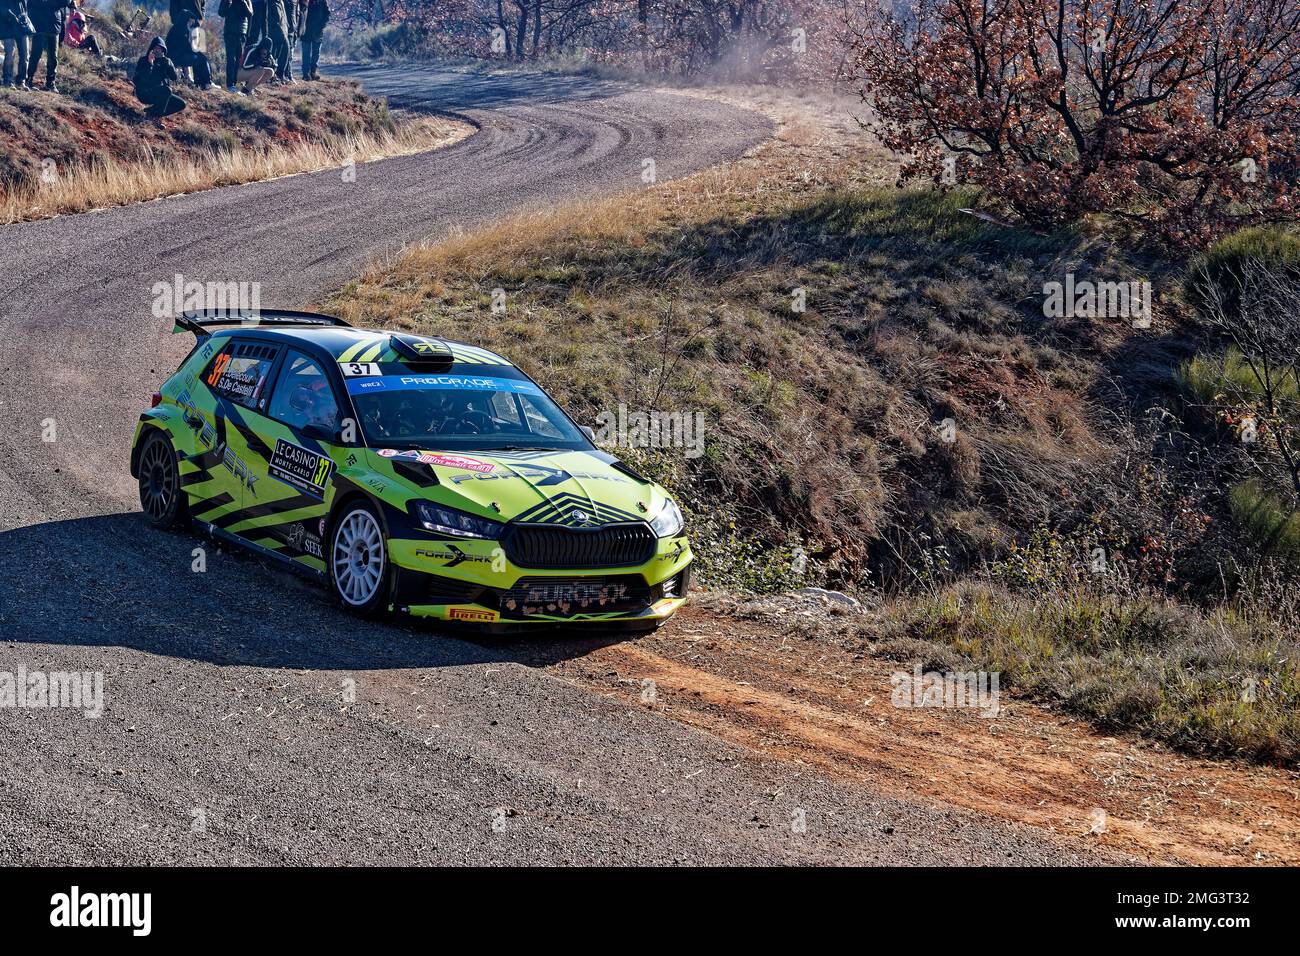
x=300, y=539
x=477, y=383
x=478, y=614
x=207, y=436
x=542, y=476
x=454, y=556
x=560, y=596
x=300, y=467
x=447, y=461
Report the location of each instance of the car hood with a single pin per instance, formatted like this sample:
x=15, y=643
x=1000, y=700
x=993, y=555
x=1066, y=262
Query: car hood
x=574, y=488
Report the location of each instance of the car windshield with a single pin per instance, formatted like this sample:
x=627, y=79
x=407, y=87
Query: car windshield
x=479, y=408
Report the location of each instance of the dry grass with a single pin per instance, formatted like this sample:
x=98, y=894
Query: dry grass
x=114, y=182
x=1220, y=683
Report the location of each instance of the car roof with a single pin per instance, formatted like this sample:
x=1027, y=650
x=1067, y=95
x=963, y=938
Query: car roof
x=347, y=344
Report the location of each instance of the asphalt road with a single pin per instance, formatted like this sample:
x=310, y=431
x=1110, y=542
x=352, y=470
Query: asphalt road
x=247, y=720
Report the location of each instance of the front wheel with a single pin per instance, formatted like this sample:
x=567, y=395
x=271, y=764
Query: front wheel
x=161, y=497
x=358, y=562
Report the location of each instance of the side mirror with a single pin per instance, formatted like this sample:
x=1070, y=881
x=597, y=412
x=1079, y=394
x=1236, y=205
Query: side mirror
x=588, y=431
x=319, y=433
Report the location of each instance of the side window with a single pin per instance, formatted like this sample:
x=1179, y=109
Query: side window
x=303, y=395
x=240, y=371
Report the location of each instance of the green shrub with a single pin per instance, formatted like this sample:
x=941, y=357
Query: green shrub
x=1267, y=518
x=1222, y=264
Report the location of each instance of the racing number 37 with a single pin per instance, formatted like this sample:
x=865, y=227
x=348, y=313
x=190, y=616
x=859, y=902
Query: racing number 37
x=218, y=367
x=322, y=471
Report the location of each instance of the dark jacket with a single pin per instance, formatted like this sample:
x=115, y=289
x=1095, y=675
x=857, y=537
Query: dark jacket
x=180, y=46
x=318, y=14
x=256, y=57
x=14, y=21
x=237, y=13
x=49, y=16
x=153, y=81
x=181, y=10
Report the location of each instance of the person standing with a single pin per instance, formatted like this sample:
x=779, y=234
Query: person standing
x=277, y=28
x=154, y=76
x=180, y=49
x=180, y=11
x=313, y=31
x=49, y=18
x=15, y=35
x=237, y=14
x=257, y=26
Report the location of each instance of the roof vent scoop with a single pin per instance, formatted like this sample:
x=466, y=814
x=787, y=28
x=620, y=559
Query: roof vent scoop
x=421, y=349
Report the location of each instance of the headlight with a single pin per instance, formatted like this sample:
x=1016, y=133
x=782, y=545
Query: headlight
x=450, y=521
x=669, y=521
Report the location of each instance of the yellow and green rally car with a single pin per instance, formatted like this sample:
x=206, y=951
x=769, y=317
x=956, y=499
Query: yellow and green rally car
x=414, y=474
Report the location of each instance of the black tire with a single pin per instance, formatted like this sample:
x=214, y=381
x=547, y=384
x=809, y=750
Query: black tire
x=357, y=560
x=162, y=499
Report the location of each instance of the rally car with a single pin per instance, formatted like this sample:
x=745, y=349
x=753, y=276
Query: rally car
x=413, y=474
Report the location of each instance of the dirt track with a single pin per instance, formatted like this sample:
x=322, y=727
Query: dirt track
x=780, y=685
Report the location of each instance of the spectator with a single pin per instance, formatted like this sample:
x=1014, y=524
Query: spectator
x=237, y=14
x=277, y=28
x=313, y=31
x=74, y=32
x=180, y=45
x=257, y=27
x=154, y=76
x=256, y=67
x=15, y=35
x=48, y=16
x=181, y=10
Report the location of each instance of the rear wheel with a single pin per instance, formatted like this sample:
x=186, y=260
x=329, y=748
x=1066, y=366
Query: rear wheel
x=161, y=497
x=358, y=560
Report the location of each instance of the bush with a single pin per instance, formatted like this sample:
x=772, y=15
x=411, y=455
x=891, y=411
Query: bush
x=1225, y=262
x=1271, y=524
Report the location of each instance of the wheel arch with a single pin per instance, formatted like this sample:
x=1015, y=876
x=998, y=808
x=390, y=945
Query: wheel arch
x=148, y=424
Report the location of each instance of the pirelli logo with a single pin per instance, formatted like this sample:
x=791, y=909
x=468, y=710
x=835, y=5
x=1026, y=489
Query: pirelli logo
x=476, y=614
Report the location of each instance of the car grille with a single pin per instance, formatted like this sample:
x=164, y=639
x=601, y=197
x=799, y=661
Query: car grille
x=551, y=546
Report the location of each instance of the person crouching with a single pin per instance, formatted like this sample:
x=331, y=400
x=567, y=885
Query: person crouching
x=154, y=76
x=256, y=67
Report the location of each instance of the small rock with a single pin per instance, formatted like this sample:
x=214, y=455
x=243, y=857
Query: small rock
x=837, y=597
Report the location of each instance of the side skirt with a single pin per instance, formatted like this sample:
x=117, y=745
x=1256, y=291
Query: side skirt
x=296, y=567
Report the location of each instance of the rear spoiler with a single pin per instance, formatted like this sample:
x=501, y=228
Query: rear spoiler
x=202, y=321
